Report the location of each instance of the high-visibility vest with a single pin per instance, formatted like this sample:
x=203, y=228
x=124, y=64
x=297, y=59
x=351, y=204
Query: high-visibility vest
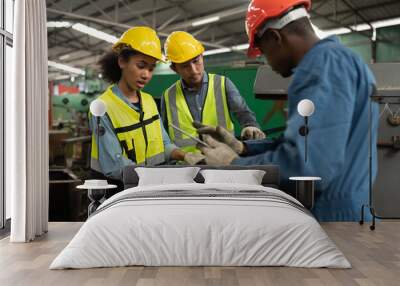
x=214, y=112
x=139, y=133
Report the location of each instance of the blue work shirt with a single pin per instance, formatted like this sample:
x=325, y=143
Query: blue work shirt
x=110, y=152
x=340, y=84
x=195, y=99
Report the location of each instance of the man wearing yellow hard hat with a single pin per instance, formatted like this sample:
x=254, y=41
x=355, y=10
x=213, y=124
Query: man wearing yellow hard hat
x=200, y=97
x=134, y=133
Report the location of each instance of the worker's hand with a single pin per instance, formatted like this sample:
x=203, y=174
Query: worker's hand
x=218, y=153
x=251, y=132
x=192, y=158
x=220, y=134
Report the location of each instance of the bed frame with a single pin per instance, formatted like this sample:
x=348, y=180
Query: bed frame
x=270, y=179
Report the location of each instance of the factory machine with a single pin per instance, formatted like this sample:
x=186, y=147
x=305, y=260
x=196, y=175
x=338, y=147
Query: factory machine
x=69, y=152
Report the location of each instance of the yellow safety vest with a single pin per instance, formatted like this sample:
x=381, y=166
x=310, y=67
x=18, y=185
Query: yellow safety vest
x=215, y=111
x=139, y=133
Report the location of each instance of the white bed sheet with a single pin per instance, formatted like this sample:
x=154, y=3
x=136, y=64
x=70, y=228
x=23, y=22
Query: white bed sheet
x=200, y=232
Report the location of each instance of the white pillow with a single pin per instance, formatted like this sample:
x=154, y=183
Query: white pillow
x=247, y=177
x=166, y=176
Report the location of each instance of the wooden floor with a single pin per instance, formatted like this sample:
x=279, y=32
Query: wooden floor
x=375, y=256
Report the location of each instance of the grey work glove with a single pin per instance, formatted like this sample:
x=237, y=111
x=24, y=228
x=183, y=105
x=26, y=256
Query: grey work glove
x=252, y=133
x=192, y=158
x=218, y=153
x=220, y=134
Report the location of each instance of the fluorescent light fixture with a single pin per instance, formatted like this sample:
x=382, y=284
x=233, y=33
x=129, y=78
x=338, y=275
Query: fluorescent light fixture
x=217, y=51
x=240, y=47
x=58, y=24
x=66, y=68
x=386, y=23
x=58, y=77
x=84, y=29
x=94, y=33
x=64, y=57
x=359, y=28
x=205, y=21
x=226, y=50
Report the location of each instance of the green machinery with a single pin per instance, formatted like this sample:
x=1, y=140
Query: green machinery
x=67, y=105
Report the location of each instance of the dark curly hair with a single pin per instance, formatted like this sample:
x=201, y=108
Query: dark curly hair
x=109, y=63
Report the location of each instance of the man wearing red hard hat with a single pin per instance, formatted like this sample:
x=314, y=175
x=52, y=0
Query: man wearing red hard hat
x=338, y=82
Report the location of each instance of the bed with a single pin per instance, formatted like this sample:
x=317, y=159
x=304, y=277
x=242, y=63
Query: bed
x=198, y=224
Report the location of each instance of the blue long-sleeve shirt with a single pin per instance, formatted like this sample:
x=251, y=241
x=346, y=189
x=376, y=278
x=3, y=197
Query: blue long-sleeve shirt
x=110, y=152
x=195, y=99
x=340, y=84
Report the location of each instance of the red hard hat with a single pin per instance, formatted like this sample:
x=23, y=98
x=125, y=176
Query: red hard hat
x=260, y=11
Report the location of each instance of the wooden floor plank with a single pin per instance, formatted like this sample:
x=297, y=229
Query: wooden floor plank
x=374, y=255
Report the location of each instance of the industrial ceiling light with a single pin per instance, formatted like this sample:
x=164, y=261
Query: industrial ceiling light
x=94, y=33
x=83, y=29
x=226, y=50
x=64, y=57
x=358, y=28
x=205, y=21
x=240, y=47
x=58, y=24
x=66, y=68
x=386, y=23
x=217, y=51
x=59, y=77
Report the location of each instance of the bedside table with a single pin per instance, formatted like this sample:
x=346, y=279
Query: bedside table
x=96, y=194
x=305, y=190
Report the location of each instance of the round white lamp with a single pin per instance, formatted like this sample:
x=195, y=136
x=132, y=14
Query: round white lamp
x=305, y=108
x=98, y=107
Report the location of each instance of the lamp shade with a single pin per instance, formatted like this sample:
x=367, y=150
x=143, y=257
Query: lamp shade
x=98, y=107
x=305, y=107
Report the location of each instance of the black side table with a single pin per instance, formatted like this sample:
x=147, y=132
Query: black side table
x=305, y=192
x=96, y=194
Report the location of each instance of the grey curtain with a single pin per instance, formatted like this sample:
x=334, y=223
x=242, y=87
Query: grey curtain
x=27, y=124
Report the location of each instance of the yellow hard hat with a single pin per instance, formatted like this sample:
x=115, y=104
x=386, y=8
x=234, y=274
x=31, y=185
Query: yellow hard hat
x=143, y=40
x=181, y=47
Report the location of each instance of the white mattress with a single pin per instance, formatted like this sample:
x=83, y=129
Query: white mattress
x=200, y=231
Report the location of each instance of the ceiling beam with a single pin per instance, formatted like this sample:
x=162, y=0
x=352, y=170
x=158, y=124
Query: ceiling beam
x=125, y=26
x=169, y=21
x=241, y=9
x=100, y=10
x=357, y=13
x=133, y=11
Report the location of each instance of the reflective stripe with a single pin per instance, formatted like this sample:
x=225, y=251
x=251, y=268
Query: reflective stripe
x=174, y=111
x=137, y=125
x=156, y=159
x=218, y=101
